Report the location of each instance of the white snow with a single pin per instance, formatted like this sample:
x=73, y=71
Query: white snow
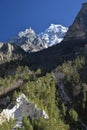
x=26, y=33
x=56, y=28
x=54, y=34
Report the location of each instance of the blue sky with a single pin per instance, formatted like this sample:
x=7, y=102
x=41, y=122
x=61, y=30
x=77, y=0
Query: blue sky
x=17, y=15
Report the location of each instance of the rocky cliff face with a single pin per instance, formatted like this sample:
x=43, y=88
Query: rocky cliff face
x=29, y=41
x=22, y=107
x=1, y=44
x=10, y=51
x=78, y=30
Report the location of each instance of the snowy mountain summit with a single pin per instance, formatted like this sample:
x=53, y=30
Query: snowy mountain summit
x=54, y=34
x=31, y=42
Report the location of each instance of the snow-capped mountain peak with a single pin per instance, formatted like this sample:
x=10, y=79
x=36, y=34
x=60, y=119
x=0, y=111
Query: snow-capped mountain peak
x=32, y=42
x=26, y=33
x=54, y=34
x=56, y=28
x=29, y=40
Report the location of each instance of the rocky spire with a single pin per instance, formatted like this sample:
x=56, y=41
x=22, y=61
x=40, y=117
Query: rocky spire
x=78, y=30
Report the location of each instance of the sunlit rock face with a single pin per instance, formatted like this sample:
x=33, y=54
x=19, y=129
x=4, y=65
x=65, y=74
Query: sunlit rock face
x=10, y=51
x=29, y=41
x=22, y=108
x=78, y=30
x=1, y=44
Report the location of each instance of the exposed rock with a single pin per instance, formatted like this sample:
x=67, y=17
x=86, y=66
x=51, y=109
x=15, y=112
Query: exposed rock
x=78, y=30
x=21, y=108
x=7, y=49
x=10, y=51
x=1, y=44
x=29, y=41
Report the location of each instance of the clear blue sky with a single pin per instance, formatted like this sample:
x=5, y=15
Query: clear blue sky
x=17, y=15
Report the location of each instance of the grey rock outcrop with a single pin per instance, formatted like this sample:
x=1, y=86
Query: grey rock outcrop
x=10, y=51
x=1, y=44
x=22, y=108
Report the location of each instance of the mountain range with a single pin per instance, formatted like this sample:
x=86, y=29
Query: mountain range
x=32, y=42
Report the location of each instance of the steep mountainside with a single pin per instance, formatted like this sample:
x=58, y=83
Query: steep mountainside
x=73, y=45
x=10, y=52
x=78, y=30
x=1, y=44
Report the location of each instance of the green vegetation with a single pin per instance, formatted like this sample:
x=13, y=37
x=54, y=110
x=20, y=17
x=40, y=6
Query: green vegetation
x=42, y=90
x=7, y=125
x=75, y=83
x=73, y=71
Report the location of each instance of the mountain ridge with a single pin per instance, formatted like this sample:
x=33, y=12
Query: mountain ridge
x=32, y=42
x=54, y=34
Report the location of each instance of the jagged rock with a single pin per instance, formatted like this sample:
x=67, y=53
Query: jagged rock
x=7, y=49
x=54, y=34
x=21, y=108
x=29, y=41
x=78, y=30
x=10, y=51
x=1, y=44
